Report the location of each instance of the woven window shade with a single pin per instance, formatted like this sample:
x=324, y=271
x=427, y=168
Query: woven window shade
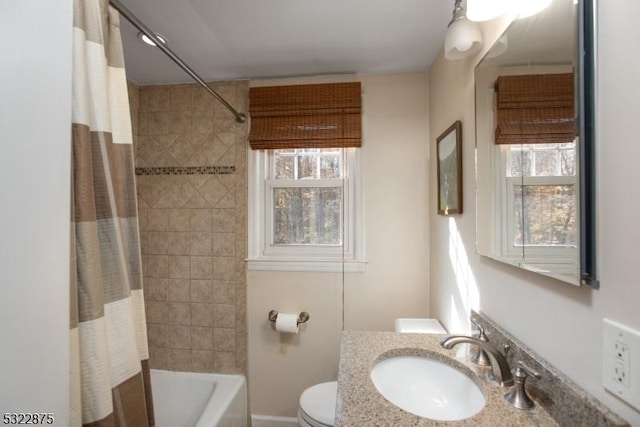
x=306, y=116
x=535, y=109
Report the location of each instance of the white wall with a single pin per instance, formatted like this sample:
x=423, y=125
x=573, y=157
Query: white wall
x=35, y=130
x=561, y=322
x=395, y=284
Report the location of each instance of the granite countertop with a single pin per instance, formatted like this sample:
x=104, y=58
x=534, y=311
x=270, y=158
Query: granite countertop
x=360, y=404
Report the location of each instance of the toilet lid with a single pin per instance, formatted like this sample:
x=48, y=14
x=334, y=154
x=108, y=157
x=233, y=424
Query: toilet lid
x=319, y=402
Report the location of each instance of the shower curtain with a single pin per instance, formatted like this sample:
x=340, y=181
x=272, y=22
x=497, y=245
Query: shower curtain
x=110, y=383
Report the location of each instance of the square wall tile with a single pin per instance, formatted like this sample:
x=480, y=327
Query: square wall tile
x=180, y=98
x=180, y=122
x=180, y=313
x=224, y=339
x=155, y=289
x=192, y=227
x=159, y=358
x=223, y=244
x=156, y=242
x=225, y=362
x=179, y=220
x=223, y=292
x=157, y=312
x=202, y=291
x=179, y=267
x=158, y=99
x=158, y=335
x=157, y=220
x=201, y=338
x=202, y=244
x=201, y=267
x=202, y=360
x=179, y=290
x=178, y=243
x=180, y=359
x=201, y=314
x=202, y=220
x=179, y=336
x=224, y=315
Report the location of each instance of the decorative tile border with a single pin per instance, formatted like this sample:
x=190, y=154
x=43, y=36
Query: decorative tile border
x=187, y=170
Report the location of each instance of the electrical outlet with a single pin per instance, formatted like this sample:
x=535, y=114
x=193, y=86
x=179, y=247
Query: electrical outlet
x=622, y=351
x=621, y=361
x=620, y=373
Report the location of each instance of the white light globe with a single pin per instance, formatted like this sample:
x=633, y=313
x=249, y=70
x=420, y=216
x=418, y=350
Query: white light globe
x=463, y=38
x=499, y=47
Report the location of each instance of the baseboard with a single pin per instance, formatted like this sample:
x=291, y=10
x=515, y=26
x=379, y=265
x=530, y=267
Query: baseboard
x=269, y=421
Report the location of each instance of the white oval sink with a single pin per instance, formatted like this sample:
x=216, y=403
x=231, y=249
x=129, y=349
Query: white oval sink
x=427, y=388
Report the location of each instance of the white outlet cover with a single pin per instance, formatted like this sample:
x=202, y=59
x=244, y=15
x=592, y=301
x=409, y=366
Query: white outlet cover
x=621, y=352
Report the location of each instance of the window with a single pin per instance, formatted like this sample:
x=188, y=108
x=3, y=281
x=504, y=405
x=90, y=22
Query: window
x=304, y=210
x=539, y=187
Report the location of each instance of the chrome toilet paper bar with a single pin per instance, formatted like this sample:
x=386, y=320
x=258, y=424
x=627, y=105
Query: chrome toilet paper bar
x=302, y=317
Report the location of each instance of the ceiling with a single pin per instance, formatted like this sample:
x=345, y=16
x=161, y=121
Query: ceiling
x=253, y=39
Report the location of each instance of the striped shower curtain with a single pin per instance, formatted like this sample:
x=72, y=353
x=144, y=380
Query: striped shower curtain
x=110, y=384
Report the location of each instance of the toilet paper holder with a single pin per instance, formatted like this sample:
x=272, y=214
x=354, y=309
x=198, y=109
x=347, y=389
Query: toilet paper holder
x=302, y=317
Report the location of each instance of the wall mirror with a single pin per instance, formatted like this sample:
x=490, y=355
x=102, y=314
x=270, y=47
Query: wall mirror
x=535, y=142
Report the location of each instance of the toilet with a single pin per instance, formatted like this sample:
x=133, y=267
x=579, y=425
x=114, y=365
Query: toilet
x=317, y=406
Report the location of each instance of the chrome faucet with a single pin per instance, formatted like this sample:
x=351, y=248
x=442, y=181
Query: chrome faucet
x=499, y=366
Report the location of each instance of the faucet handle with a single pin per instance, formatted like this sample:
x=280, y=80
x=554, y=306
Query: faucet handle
x=480, y=357
x=506, y=348
x=482, y=336
x=518, y=396
x=526, y=370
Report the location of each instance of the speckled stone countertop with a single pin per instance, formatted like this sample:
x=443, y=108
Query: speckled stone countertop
x=359, y=404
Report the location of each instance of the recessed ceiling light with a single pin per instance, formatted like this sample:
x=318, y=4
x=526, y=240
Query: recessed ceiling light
x=148, y=40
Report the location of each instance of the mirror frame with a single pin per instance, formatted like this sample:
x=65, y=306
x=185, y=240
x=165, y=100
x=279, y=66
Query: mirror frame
x=586, y=144
x=587, y=30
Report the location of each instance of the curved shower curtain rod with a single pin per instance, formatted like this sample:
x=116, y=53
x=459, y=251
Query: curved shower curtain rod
x=240, y=117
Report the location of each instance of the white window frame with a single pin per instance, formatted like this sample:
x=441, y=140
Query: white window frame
x=263, y=255
x=538, y=256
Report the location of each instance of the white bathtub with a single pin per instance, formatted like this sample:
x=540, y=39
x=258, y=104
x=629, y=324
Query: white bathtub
x=186, y=399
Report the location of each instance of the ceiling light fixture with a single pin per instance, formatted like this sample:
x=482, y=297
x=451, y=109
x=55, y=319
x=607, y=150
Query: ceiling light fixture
x=499, y=47
x=463, y=36
x=148, y=40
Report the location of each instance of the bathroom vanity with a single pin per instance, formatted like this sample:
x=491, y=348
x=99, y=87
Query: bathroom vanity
x=558, y=401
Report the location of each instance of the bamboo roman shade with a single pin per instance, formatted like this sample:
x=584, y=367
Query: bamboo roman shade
x=306, y=116
x=535, y=109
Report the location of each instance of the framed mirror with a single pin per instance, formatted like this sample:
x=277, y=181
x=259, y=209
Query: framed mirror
x=535, y=143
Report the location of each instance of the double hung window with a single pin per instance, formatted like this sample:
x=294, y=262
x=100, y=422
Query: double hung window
x=540, y=194
x=305, y=211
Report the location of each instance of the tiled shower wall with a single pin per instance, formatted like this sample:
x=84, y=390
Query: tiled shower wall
x=191, y=177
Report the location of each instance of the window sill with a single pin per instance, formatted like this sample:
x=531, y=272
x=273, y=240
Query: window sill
x=312, y=265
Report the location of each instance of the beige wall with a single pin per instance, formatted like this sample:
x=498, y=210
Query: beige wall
x=192, y=226
x=395, y=284
x=35, y=172
x=561, y=322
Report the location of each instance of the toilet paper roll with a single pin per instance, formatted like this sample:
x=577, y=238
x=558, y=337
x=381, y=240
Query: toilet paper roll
x=287, y=323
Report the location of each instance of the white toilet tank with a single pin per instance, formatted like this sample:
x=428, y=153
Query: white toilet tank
x=419, y=326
